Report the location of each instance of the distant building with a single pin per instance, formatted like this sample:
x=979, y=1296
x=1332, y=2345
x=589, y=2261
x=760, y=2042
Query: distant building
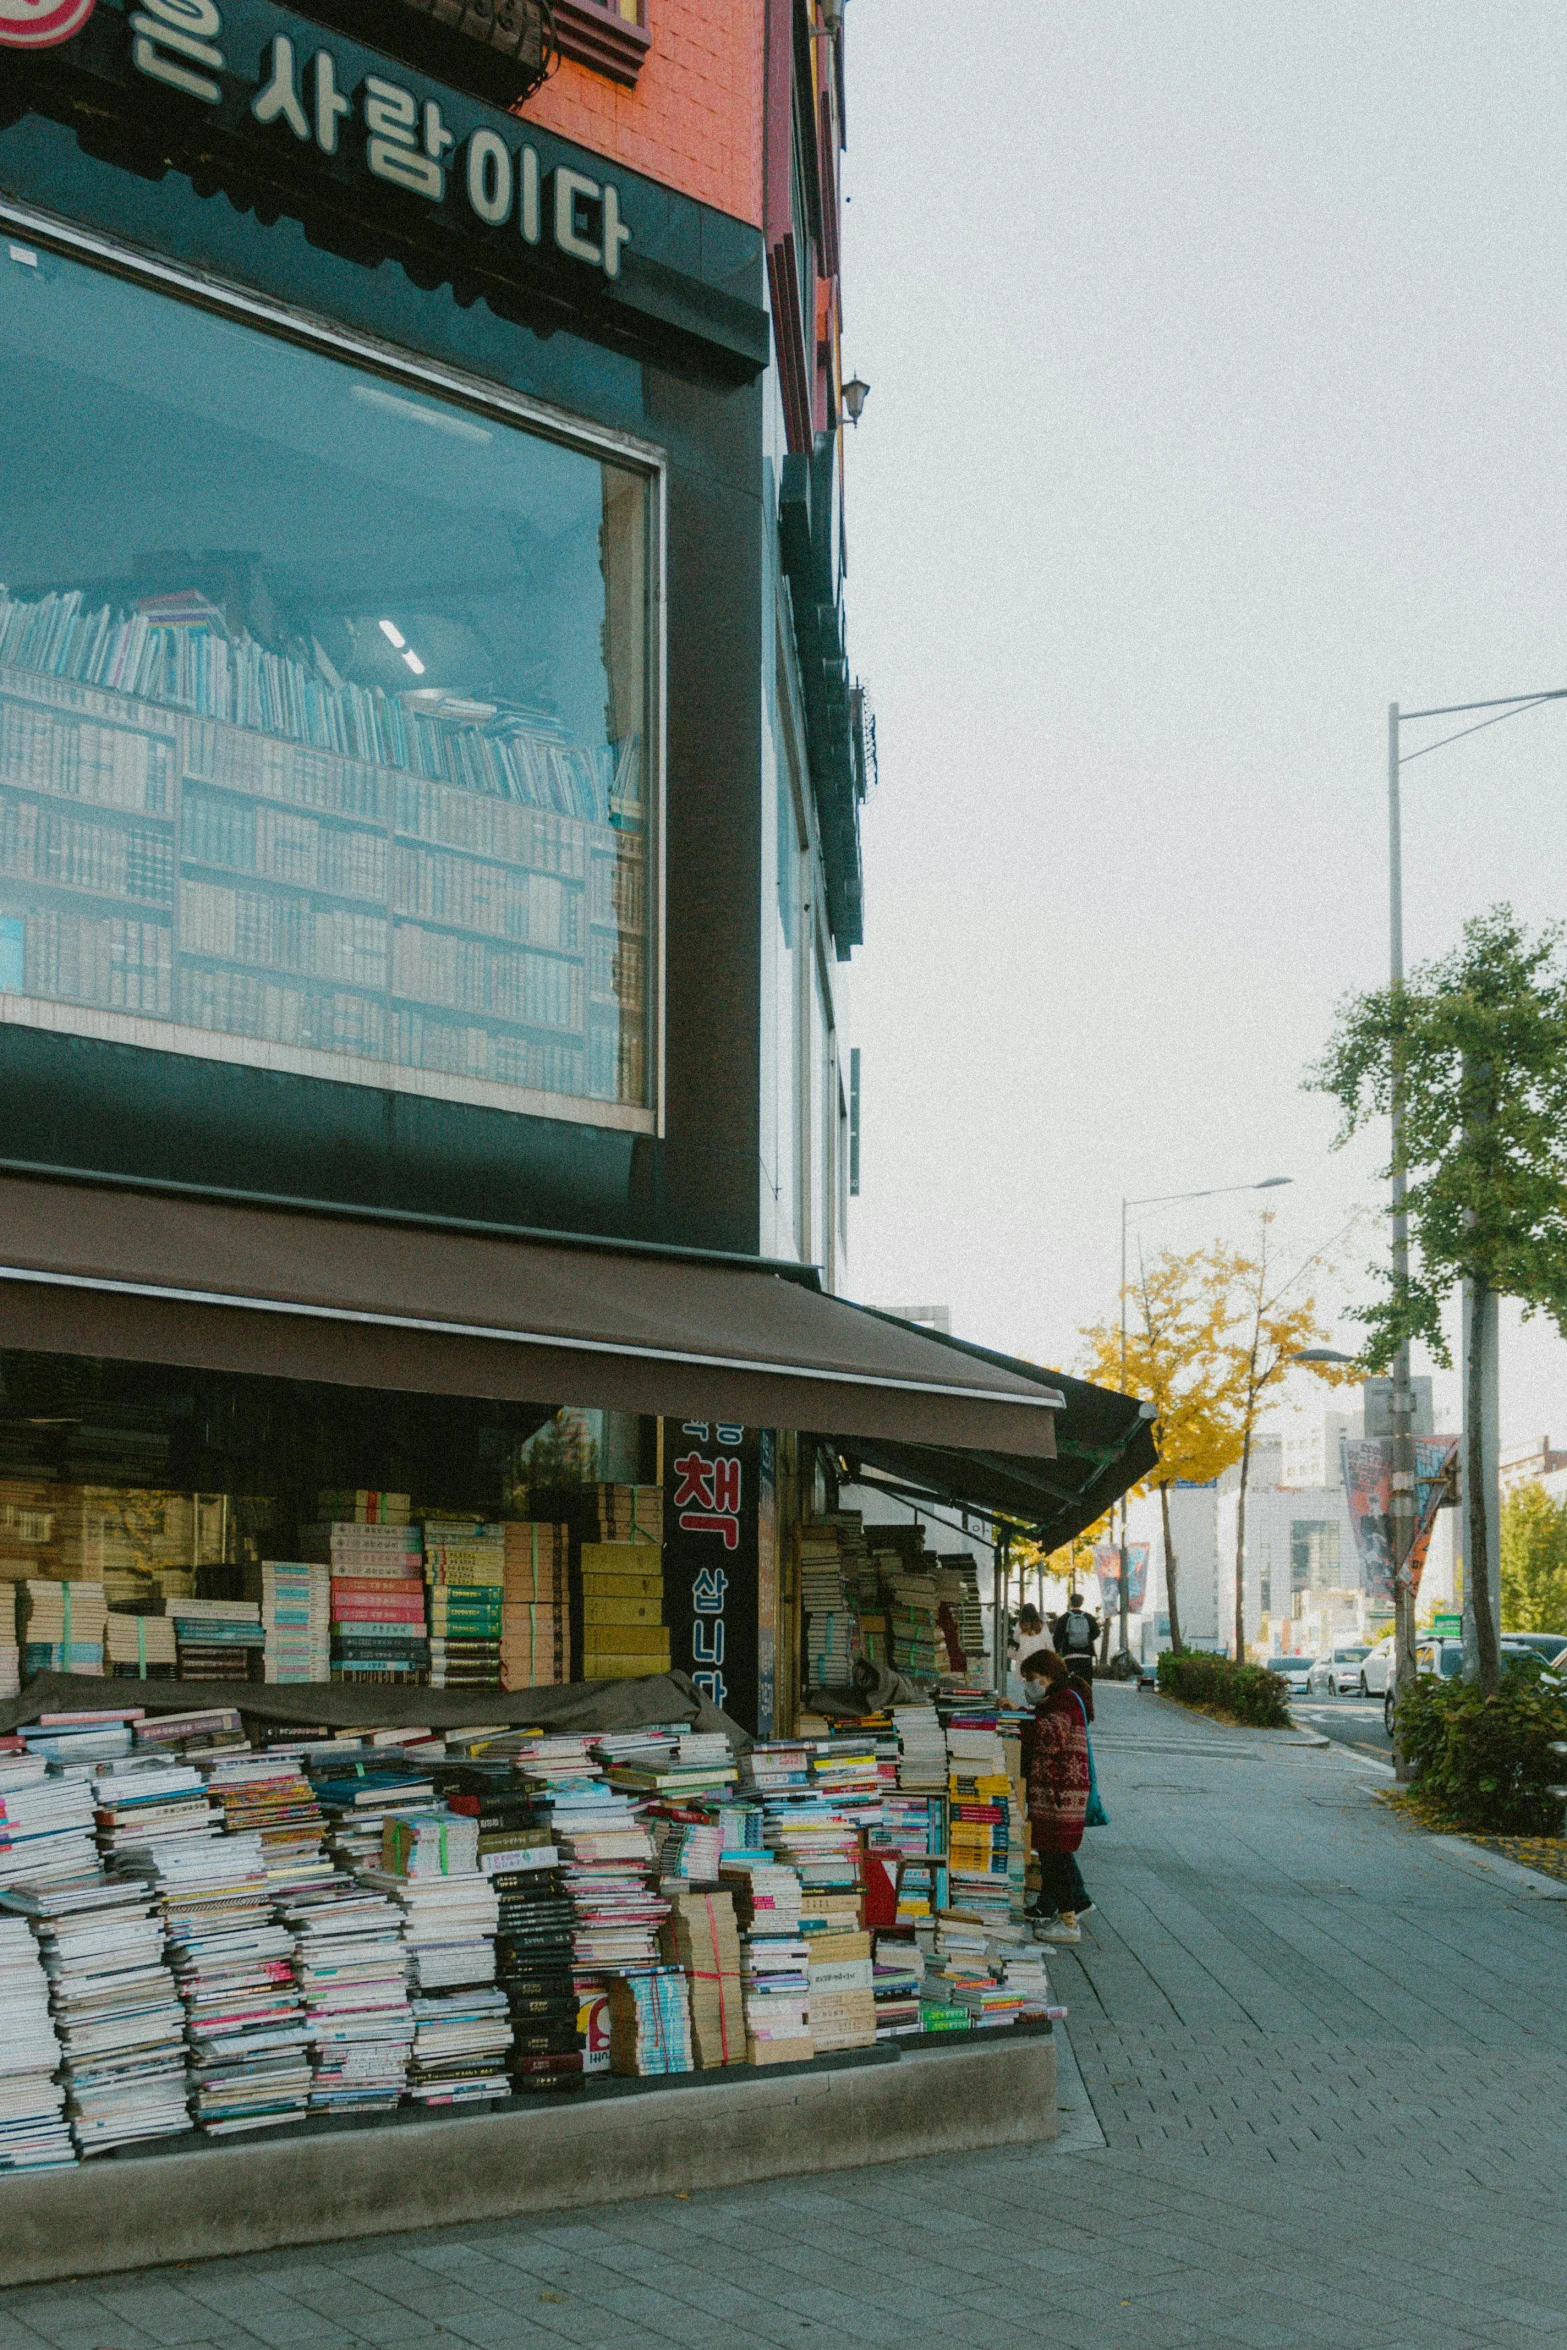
x=928, y=1317
x=1528, y=1464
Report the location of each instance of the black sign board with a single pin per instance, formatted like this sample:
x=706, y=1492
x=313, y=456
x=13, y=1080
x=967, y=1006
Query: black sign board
x=720, y=1549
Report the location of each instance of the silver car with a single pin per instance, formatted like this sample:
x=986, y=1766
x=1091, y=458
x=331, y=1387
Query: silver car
x=1336, y=1673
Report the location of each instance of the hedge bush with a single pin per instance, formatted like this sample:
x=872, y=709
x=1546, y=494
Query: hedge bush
x=1484, y=1762
x=1249, y=1692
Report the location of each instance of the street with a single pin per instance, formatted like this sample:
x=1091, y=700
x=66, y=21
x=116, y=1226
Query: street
x=1349, y=1721
x=1326, y=2104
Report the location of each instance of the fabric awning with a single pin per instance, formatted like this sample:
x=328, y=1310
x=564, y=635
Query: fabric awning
x=1104, y=1445
x=152, y=1276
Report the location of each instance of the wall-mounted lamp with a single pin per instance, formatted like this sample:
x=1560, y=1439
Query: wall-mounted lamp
x=855, y=394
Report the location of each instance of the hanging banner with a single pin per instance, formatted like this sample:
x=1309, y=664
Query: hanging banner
x=1368, y=1489
x=718, y=1484
x=1107, y=1566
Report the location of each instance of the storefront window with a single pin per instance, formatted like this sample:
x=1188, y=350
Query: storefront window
x=324, y=712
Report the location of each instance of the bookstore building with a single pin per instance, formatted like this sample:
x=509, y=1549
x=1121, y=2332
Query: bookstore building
x=386, y=1366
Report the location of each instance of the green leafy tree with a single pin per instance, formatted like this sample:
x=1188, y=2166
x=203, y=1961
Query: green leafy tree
x=1534, y=1561
x=1478, y=1041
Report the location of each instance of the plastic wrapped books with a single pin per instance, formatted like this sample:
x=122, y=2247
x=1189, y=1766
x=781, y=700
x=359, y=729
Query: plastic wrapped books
x=33, y=2131
x=842, y=1997
x=217, y=1638
x=358, y=1796
x=535, y=1609
x=650, y=2023
x=430, y=1844
x=923, y=1743
x=233, y=1962
x=118, y=2016
x=61, y=1626
x=46, y=1821
x=777, y=1764
x=138, y=1647
x=353, y=1979
x=203, y=1731
x=364, y=1506
x=623, y=1630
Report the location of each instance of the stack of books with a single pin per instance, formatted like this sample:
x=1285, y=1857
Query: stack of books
x=767, y=1895
x=206, y=1730
x=46, y=1822
x=353, y=1979
x=608, y=1860
x=650, y=2023
x=61, y=1627
x=462, y=2025
x=269, y=1796
x=377, y=1598
x=234, y=1963
x=842, y=1991
x=117, y=2014
x=362, y=1506
x=773, y=1765
x=535, y=1606
x=465, y=1568
x=1023, y=1971
x=690, y=1768
x=433, y=1843
x=295, y=1598
x=832, y=1632
x=139, y=1647
x=462, y=2045
x=625, y=1513
x=702, y=1938
x=141, y=1798
x=847, y=1771
x=897, y=1978
x=217, y=1639
x=968, y=1611
x=533, y=1968
x=33, y=2131
x=358, y=1795
x=92, y=1735
x=10, y=1651
x=688, y=1844
x=623, y=1630
x=775, y=1979
x=923, y=1742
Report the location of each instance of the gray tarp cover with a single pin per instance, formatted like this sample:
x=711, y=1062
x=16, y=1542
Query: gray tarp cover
x=577, y=1705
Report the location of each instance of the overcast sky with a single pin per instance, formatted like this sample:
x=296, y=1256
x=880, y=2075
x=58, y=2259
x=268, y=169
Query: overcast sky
x=1218, y=398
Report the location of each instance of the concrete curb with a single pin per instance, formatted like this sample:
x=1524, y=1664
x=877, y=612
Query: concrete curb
x=104, y=2217
x=1496, y=1864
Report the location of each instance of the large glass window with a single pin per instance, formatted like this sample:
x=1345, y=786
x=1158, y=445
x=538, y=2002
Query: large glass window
x=324, y=711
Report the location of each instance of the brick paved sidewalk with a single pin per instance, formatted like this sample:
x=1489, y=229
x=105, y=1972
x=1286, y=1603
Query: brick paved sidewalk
x=1327, y=2065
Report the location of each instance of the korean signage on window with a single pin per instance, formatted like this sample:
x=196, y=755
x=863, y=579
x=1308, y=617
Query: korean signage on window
x=719, y=1552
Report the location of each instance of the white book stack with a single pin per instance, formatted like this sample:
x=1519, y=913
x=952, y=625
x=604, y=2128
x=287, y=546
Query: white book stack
x=33, y=2130
x=353, y=1978
x=922, y=1767
x=462, y=2024
x=449, y=1925
x=118, y=2015
x=10, y=1654
x=233, y=1961
x=143, y=1798
x=46, y=1822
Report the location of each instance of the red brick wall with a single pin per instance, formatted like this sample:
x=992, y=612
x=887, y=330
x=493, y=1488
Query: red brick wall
x=694, y=120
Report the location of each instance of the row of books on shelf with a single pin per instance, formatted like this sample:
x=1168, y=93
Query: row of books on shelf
x=177, y=653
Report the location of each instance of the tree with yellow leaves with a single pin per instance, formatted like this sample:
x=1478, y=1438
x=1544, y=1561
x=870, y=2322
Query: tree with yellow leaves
x=1209, y=1337
x=1178, y=1357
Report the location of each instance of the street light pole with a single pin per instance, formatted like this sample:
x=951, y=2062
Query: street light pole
x=1163, y=1199
x=1402, y=1498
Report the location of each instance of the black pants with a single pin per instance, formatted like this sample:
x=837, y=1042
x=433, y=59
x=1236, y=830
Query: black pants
x=1060, y=1882
x=1076, y=1663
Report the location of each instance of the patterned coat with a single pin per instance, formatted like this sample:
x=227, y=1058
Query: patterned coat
x=1055, y=1773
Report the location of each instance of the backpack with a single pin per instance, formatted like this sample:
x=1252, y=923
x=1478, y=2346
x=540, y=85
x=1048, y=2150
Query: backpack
x=1077, y=1633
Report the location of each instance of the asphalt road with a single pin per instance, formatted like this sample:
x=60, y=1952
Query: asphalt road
x=1348, y=1721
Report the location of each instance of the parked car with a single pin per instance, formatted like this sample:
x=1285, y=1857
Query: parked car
x=1376, y=1668
x=1336, y=1673
x=1292, y=1671
x=1549, y=1647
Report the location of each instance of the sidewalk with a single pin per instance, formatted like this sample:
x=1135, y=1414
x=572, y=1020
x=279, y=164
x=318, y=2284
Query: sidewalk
x=1326, y=2071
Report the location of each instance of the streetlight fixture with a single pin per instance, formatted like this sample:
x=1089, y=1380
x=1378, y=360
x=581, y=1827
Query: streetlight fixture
x=855, y=394
x=1163, y=1199
x=1402, y=1498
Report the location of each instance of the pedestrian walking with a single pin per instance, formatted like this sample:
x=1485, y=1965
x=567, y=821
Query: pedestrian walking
x=1056, y=1781
x=1076, y=1634
x=1030, y=1634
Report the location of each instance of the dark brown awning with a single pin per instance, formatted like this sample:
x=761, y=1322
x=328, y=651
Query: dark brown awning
x=144, y=1276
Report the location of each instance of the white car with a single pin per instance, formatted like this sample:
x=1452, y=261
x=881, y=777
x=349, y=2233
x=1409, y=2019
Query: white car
x=1336, y=1673
x=1377, y=1668
x=1292, y=1671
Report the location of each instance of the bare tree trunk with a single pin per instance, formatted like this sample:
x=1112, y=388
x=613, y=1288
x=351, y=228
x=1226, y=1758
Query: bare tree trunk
x=1240, y=1550
x=1479, y=1561
x=1169, y=1572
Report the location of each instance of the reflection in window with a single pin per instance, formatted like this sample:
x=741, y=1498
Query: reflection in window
x=323, y=707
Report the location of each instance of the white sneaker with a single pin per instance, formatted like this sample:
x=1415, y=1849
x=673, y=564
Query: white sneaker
x=1057, y=1930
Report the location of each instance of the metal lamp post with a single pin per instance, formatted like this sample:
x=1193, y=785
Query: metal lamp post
x=1403, y=1470
x=1163, y=1199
